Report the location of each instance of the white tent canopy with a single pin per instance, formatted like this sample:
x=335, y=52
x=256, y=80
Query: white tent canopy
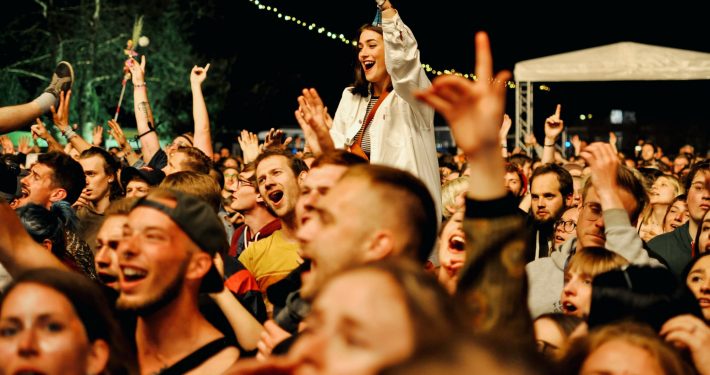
x=624, y=61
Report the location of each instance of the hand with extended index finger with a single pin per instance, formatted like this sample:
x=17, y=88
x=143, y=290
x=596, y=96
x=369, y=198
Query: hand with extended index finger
x=39, y=130
x=553, y=126
x=472, y=109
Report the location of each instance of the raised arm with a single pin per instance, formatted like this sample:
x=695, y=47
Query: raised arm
x=249, y=144
x=492, y=286
x=60, y=117
x=402, y=56
x=117, y=133
x=40, y=131
x=144, y=115
x=504, y=129
x=312, y=117
x=203, y=137
x=18, y=251
x=553, y=128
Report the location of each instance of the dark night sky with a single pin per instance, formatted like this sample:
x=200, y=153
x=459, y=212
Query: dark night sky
x=284, y=57
x=272, y=60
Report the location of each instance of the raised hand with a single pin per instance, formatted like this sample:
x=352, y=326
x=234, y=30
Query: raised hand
x=553, y=126
x=198, y=74
x=530, y=140
x=97, y=136
x=311, y=116
x=249, y=143
x=271, y=336
x=116, y=132
x=275, y=139
x=505, y=129
x=472, y=109
x=39, y=130
x=603, y=163
x=7, y=146
x=137, y=70
x=60, y=117
x=24, y=145
x=612, y=139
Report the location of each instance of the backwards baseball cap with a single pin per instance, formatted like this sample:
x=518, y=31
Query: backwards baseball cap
x=198, y=220
x=152, y=177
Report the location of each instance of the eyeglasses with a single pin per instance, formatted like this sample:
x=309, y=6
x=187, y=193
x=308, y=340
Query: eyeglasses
x=567, y=226
x=592, y=211
x=241, y=183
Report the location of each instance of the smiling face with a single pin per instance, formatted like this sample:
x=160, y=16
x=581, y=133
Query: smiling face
x=40, y=333
x=371, y=54
x=153, y=257
x=698, y=281
x=278, y=185
x=107, y=240
x=358, y=325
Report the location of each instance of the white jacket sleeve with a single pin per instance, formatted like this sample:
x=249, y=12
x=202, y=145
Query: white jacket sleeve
x=402, y=60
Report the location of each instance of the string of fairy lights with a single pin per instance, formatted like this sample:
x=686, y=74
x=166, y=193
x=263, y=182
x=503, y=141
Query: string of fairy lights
x=312, y=26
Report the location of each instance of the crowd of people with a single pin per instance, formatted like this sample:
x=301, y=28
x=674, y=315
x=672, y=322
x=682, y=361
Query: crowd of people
x=363, y=252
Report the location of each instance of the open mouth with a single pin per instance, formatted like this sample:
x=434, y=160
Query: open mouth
x=368, y=65
x=276, y=196
x=107, y=278
x=568, y=307
x=132, y=274
x=457, y=243
x=559, y=239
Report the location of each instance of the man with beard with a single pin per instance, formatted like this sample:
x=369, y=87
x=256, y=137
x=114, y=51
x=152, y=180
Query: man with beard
x=165, y=260
x=612, y=200
x=552, y=191
x=278, y=179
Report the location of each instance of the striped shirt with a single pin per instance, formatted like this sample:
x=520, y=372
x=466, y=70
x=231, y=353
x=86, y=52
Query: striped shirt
x=365, y=143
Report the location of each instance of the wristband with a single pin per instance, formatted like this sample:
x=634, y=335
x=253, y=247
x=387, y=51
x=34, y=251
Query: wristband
x=137, y=85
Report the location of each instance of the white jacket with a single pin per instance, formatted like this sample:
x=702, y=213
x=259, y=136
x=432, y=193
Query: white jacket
x=402, y=130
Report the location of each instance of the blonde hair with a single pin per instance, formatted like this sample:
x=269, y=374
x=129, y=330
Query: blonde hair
x=592, y=261
x=450, y=191
x=201, y=185
x=635, y=334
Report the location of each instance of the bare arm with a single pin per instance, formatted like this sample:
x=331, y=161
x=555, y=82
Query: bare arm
x=40, y=131
x=18, y=251
x=144, y=115
x=553, y=128
x=117, y=133
x=60, y=117
x=203, y=137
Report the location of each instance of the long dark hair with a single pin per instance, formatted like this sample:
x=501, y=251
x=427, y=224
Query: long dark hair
x=43, y=224
x=91, y=307
x=361, y=86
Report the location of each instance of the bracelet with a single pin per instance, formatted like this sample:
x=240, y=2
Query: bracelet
x=552, y=145
x=137, y=85
x=68, y=133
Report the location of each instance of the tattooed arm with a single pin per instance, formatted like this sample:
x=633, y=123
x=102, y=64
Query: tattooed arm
x=144, y=115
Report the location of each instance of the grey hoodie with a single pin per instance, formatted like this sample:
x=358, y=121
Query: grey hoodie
x=546, y=275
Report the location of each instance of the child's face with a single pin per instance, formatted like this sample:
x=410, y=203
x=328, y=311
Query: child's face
x=577, y=294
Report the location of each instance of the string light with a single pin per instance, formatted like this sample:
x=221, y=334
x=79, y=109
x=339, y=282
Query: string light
x=336, y=36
